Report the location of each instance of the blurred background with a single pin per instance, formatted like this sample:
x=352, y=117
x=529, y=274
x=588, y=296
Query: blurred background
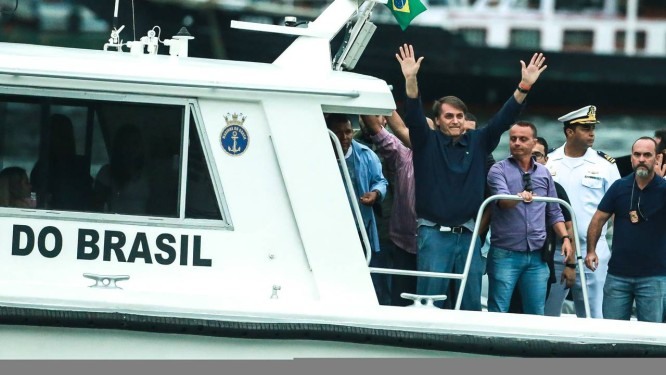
x=610, y=53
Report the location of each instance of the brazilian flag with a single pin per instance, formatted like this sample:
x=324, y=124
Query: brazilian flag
x=405, y=11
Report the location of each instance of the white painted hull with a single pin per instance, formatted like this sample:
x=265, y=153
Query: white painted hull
x=29, y=342
x=278, y=329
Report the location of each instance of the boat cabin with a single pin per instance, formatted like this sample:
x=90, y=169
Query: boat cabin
x=172, y=176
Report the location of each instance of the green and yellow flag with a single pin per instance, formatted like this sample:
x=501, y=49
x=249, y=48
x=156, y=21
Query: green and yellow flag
x=405, y=11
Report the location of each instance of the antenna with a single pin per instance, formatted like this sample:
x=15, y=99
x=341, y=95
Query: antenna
x=114, y=40
x=115, y=15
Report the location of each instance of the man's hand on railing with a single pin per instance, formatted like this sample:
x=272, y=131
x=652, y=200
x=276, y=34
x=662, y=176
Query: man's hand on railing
x=527, y=196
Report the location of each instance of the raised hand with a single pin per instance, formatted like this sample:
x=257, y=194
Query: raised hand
x=410, y=67
x=659, y=165
x=531, y=72
x=408, y=63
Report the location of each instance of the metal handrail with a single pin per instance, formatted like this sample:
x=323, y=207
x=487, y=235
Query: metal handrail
x=351, y=195
x=468, y=262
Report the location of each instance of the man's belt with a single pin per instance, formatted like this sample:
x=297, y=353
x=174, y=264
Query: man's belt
x=443, y=228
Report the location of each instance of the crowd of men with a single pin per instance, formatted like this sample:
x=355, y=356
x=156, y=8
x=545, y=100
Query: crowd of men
x=440, y=171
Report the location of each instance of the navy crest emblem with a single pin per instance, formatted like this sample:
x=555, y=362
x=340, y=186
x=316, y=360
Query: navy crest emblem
x=234, y=137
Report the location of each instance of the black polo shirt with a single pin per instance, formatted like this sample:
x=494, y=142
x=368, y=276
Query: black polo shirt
x=639, y=249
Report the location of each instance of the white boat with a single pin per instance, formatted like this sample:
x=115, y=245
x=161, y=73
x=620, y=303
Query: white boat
x=239, y=232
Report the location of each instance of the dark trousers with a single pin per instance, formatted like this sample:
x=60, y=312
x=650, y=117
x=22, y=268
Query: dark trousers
x=402, y=284
x=382, y=282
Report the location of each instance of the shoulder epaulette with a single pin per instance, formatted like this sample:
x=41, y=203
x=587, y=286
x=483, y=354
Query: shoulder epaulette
x=608, y=158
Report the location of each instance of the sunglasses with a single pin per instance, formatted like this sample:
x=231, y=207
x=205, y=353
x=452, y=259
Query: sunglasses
x=527, y=182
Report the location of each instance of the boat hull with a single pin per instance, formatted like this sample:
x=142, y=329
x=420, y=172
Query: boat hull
x=385, y=331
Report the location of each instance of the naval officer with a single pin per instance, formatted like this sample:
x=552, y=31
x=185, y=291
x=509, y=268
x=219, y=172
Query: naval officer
x=586, y=175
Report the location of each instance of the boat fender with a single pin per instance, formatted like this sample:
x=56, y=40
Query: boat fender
x=338, y=332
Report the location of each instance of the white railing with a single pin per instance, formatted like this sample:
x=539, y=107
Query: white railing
x=475, y=235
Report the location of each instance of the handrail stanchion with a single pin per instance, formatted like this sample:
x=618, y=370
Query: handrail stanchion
x=463, y=276
x=579, y=258
x=352, y=196
x=470, y=252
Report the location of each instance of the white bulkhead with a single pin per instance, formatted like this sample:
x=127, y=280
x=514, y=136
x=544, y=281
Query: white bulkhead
x=238, y=192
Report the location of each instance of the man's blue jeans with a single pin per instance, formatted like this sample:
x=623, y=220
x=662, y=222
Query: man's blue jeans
x=508, y=269
x=649, y=293
x=447, y=252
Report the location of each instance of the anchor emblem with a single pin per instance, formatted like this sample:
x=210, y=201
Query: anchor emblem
x=235, y=148
x=234, y=137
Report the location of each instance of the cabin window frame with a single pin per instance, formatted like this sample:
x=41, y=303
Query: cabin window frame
x=190, y=108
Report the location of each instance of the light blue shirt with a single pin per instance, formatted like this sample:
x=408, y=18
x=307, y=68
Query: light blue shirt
x=367, y=176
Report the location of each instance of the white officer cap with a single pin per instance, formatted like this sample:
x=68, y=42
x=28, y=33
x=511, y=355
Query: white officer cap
x=585, y=115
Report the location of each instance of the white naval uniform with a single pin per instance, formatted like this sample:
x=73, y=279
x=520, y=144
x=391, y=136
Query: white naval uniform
x=585, y=179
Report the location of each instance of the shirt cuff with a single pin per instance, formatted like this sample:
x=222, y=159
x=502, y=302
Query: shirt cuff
x=383, y=133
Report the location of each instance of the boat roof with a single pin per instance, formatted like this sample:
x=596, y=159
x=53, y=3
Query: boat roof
x=203, y=75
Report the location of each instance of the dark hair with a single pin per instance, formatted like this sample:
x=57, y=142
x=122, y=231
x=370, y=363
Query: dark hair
x=10, y=184
x=661, y=146
x=469, y=116
x=528, y=124
x=572, y=127
x=453, y=101
x=661, y=133
x=542, y=141
x=336, y=118
x=62, y=136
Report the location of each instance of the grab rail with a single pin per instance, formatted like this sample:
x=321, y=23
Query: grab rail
x=352, y=196
x=475, y=234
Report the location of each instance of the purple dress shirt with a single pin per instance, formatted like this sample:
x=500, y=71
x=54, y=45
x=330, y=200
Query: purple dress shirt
x=522, y=227
x=398, y=158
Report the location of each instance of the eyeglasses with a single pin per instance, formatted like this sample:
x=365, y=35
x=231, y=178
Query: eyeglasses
x=538, y=155
x=527, y=182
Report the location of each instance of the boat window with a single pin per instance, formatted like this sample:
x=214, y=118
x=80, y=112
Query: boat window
x=579, y=5
x=104, y=156
x=201, y=202
x=578, y=40
x=525, y=39
x=142, y=142
x=474, y=36
x=620, y=41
